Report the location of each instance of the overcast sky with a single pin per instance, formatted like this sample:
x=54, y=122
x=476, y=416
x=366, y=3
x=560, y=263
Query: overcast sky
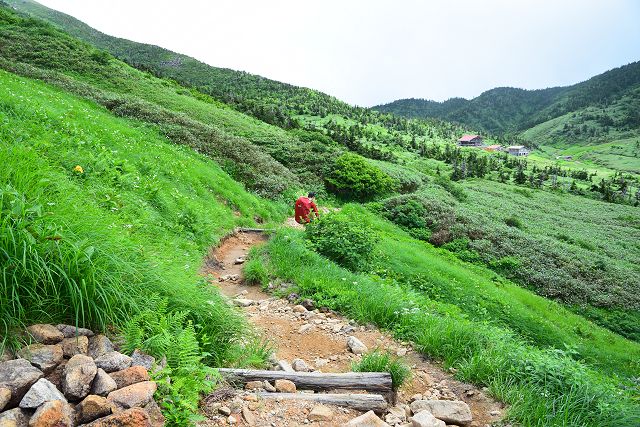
x=368, y=52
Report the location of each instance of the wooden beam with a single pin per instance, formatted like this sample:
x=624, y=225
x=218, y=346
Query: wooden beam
x=379, y=382
x=360, y=402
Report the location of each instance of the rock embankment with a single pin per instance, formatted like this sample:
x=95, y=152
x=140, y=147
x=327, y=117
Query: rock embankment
x=70, y=377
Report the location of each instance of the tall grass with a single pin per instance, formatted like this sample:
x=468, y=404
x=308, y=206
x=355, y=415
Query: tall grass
x=96, y=247
x=543, y=386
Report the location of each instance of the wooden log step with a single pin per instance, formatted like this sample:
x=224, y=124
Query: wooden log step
x=360, y=402
x=379, y=382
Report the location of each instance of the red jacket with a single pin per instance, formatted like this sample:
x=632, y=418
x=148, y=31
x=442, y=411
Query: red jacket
x=303, y=208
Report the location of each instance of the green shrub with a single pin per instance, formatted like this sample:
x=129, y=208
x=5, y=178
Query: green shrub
x=254, y=270
x=379, y=361
x=342, y=240
x=513, y=221
x=353, y=177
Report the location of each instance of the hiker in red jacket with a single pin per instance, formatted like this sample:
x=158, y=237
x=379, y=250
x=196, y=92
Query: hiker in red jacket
x=303, y=209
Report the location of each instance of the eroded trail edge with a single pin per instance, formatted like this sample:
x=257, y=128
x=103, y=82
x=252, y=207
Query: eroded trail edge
x=319, y=339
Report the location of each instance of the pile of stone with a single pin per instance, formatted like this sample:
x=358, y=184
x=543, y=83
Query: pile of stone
x=70, y=377
x=421, y=413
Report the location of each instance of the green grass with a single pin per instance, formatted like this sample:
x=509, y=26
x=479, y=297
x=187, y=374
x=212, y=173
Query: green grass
x=379, y=361
x=545, y=386
x=96, y=247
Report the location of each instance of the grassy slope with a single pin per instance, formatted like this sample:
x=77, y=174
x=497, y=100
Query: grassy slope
x=545, y=387
x=134, y=224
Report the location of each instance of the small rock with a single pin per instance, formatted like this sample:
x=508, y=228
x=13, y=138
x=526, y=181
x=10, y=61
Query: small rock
x=45, y=334
x=75, y=345
x=426, y=419
x=392, y=419
x=56, y=413
x=401, y=352
x=132, y=375
x=18, y=376
x=113, y=361
x=305, y=328
x=254, y=385
x=494, y=413
x=399, y=412
x=243, y=302
x=308, y=304
x=138, y=358
x=225, y=410
x=369, y=419
x=355, y=345
x=78, y=376
x=451, y=412
x=250, y=398
x=285, y=366
x=92, y=408
x=300, y=365
x=14, y=418
x=238, y=261
x=155, y=414
x=103, y=384
x=69, y=331
x=321, y=413
x=136, y=395
x=319, y=363
x=268, y=386
x=285, y=386
x=415, y=397
x=248, y=416
x=99, y=345
x=43, y=357
x=134, y=417
x=5, y=397
x=299, y=309
x=42, y=391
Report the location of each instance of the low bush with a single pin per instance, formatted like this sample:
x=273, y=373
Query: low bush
x=513, y=221
x=384, y=361
x=342, y=240
x=354, y=178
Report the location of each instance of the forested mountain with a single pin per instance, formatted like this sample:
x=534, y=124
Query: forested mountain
x=511, y=110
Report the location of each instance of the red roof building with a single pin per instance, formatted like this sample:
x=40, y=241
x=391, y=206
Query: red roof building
x=470, y=141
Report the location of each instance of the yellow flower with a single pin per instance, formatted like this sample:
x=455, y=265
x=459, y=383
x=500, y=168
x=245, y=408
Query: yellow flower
x=78, y=169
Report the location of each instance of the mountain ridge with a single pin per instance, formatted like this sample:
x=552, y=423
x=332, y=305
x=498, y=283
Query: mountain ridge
x=513, y=110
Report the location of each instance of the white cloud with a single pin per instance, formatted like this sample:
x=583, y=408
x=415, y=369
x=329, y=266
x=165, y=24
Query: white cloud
x=368, y=52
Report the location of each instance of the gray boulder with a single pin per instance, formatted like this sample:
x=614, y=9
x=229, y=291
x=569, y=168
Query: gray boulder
x=426, y=419
x=18, y=376
x=14, y=418
x=103, y=384
x=139, y=358
x=355, y=345
x=113, y=361
x=75, y=345
x=449, y=411
x=78, y=377
x=45, y=334
x=70, y=331
x=42, y=391
x=99, y=345
x=43, y=357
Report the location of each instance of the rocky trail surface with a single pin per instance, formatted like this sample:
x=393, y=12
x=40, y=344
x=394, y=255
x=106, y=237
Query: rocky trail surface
x=308, y=339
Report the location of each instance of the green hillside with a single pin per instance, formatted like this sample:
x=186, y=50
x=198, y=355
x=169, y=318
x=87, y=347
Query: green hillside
x=160, y=169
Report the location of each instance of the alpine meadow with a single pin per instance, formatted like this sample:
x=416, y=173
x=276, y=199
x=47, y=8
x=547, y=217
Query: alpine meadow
x=147, y=199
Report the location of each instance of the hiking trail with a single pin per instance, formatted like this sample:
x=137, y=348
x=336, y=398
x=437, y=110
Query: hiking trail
x=319, y=339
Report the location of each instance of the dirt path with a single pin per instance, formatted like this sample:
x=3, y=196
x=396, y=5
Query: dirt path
x=320, y=340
